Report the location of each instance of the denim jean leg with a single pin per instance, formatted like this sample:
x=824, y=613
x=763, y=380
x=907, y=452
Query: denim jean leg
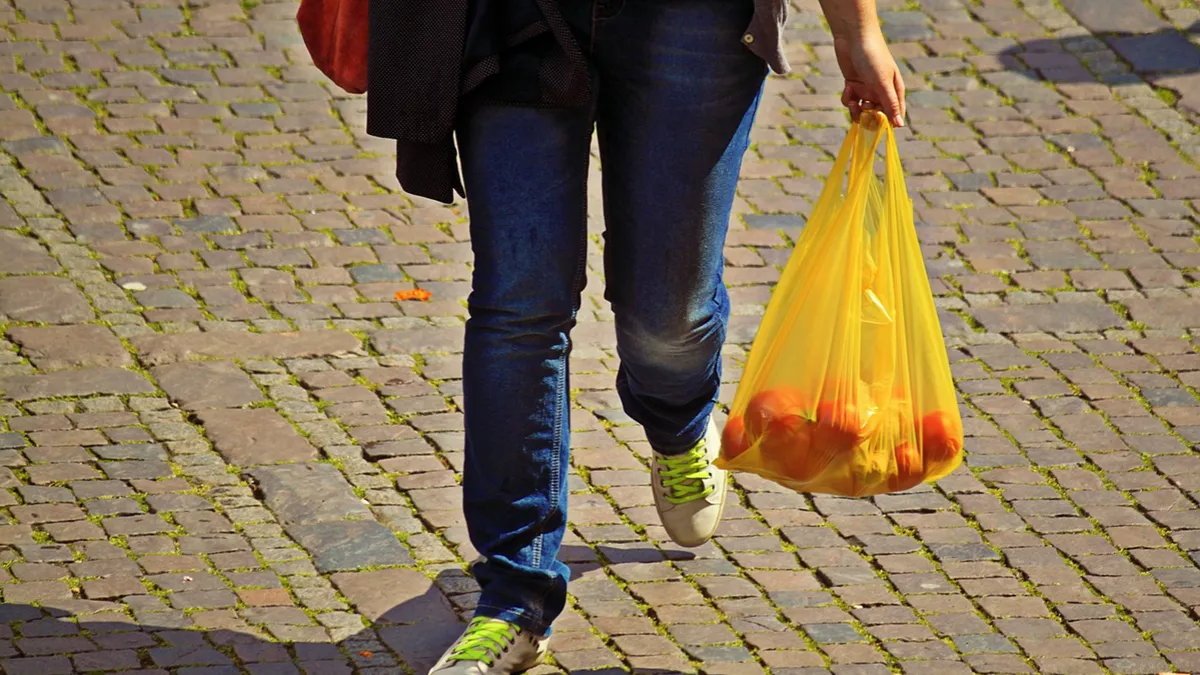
x=677, y=101
x=525, y=172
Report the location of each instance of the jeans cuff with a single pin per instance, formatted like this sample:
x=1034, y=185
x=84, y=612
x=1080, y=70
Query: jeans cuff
x=681, y=446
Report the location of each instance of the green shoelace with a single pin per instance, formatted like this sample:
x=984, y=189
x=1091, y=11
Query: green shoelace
x=686, y=476
x=484, y=641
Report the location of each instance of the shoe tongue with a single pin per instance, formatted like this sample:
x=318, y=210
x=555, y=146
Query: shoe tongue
x=491, y=625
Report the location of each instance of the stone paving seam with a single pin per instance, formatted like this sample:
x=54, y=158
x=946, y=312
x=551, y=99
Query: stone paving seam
x=1133, y=224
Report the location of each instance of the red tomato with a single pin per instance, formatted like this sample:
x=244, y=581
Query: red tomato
x=733, y=437
x=910, y=470
x=838, y=427
x=773, y=404
x=941, y=438
x=788, y=443
x=778, y=420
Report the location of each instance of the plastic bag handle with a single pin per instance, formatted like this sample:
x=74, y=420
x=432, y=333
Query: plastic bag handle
x=844, y=165
x=894, y=169
x=842, y=180
x=841, y=165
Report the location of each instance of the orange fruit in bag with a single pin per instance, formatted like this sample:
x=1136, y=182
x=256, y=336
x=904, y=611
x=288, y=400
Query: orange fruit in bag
x=733, y=437
x=837, y=428
x=771, y=405
x=777, y=419
x=941, y=439
x=910, y=469
x=788, y=446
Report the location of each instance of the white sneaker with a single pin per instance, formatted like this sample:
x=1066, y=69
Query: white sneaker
x=491, y=647
x=689, y=491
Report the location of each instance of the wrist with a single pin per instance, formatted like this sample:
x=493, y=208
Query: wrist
x=856, y=31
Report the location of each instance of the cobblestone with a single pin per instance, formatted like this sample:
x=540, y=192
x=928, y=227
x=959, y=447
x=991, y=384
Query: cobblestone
x=224, y=447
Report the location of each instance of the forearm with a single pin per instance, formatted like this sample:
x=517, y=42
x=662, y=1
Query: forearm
x=849, y=19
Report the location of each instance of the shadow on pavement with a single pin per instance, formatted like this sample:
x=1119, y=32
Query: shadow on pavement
x=58, y=638
x=411, y=622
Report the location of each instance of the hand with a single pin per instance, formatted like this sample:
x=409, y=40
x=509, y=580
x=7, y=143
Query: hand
x=872, y=79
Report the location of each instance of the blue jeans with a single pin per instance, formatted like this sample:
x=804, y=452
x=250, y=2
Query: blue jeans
x=673, y=103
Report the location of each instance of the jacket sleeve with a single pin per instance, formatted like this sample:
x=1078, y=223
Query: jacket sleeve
x=414, y=74
x=429, y=170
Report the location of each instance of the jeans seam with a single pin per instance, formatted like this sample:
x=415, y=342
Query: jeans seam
x=560, y=393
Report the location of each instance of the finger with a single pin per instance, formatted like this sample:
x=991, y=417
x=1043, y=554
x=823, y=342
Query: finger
x=851, y=101
x=869, y=107
x=900, y=91
x=891, y=103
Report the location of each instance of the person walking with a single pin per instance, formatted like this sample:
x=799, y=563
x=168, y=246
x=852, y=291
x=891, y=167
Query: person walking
x=671, y=87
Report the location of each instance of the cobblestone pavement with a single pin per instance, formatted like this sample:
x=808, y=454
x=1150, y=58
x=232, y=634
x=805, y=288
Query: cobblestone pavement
x=225, y=448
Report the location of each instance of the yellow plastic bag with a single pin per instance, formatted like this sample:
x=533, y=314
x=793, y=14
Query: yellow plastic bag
x=847, y=389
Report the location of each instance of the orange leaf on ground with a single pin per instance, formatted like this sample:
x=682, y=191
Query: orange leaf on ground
x=415, y=294
x=366, y=655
